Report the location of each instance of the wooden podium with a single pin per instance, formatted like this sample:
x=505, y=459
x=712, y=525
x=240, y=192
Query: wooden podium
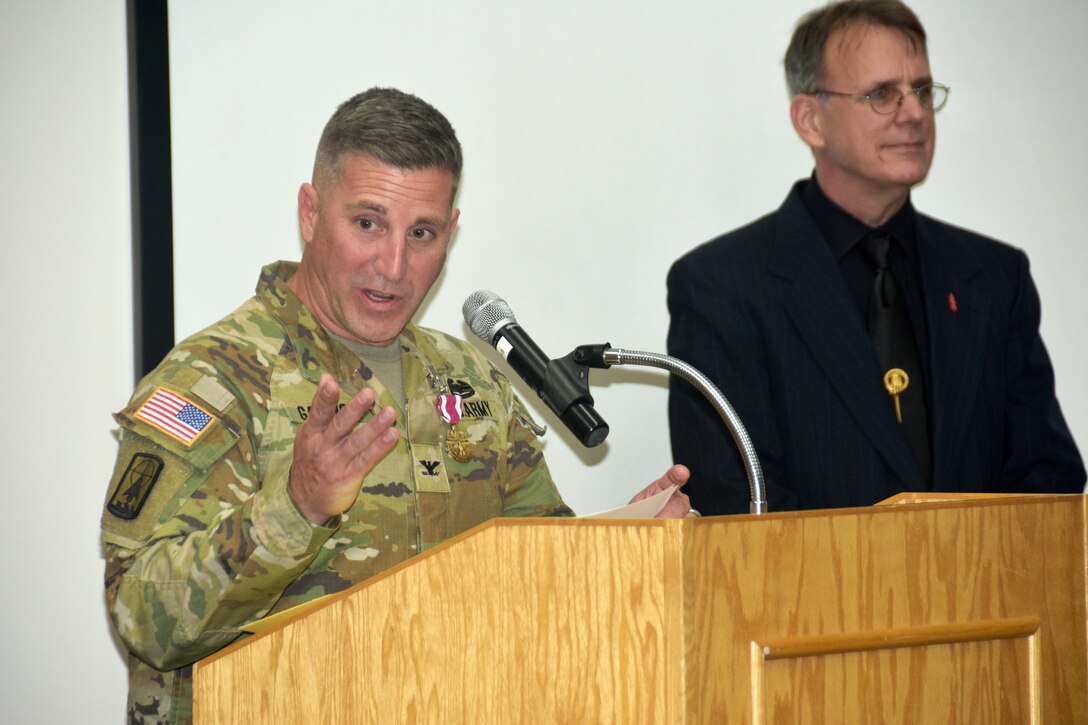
x=964, y=611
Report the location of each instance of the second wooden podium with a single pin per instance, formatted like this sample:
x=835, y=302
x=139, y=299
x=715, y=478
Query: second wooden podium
x=944, y=612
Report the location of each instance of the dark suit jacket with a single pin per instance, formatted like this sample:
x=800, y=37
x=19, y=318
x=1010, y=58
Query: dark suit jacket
x=765, y=313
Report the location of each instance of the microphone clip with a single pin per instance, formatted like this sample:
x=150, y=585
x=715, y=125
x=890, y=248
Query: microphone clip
x=566, y=391
x=591, y=355
x=566, y=379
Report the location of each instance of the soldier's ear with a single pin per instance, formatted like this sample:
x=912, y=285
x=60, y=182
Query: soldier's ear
x=307, y=211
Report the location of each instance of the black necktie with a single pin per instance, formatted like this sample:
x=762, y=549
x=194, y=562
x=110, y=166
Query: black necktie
x=896, y=349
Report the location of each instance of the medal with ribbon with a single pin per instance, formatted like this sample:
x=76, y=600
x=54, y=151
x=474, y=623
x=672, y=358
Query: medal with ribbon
x=457, y=443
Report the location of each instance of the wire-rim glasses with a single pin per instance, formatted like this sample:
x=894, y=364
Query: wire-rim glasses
x=887, y=99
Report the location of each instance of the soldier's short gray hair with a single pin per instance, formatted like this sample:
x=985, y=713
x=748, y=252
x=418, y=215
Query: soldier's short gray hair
x=392, y=127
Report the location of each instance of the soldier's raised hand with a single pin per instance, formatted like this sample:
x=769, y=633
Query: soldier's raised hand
x=333, y=453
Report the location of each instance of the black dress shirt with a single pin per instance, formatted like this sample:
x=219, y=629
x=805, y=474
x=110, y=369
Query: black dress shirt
x=843, y=232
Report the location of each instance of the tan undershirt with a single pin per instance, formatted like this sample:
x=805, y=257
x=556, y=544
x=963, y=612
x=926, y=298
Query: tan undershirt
x=384, y=362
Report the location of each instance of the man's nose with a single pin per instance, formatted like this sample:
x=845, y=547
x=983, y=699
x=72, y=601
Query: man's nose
x=391, y=260
x=910, y=107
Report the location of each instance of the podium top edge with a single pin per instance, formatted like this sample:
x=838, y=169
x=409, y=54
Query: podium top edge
x=913, y=500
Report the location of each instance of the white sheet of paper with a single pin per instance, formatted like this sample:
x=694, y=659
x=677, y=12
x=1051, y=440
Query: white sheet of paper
x=647, y=508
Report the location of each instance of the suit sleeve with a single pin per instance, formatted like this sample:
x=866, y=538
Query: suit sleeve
x=713, y=330
x=1040, y=455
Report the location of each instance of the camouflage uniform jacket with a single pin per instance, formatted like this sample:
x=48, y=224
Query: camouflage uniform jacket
x=199, y=531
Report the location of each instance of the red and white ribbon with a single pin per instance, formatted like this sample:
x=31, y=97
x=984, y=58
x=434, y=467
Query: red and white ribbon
x=449, y=407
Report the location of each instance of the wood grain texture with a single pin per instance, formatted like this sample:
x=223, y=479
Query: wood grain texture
x=543, y=621
x=846, y=579
x=958, y=612
x=978, y=682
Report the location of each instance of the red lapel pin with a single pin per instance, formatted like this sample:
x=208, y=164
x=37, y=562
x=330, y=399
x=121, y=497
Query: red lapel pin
x=952, y=302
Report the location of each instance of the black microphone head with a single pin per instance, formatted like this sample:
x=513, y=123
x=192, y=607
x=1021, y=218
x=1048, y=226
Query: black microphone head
x=486, y=313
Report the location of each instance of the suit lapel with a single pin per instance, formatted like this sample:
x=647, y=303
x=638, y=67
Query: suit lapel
x=830, y=325
x=956, y=316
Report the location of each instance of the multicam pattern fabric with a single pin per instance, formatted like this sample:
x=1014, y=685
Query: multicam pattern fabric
x=210, y=539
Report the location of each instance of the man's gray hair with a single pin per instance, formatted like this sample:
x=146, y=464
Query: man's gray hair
x=392, y=127
x=805, y=56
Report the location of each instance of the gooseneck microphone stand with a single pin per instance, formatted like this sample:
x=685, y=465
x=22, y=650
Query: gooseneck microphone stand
x=604, y=356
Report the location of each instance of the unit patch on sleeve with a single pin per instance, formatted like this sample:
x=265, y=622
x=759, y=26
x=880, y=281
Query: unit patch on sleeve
x=174, y=415
x=135, y=486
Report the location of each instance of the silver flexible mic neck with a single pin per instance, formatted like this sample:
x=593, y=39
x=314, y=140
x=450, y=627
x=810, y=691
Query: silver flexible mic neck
x=679, y=368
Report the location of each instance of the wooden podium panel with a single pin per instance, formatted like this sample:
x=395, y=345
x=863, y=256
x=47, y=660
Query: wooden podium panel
x=916, y=613
x=516, y=621
x=929, y=681
x=956, y=612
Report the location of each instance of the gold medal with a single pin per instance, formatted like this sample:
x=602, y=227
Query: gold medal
x=459, y=446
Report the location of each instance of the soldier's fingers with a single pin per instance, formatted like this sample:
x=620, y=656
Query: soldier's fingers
x=345, y=420
x=323, y=405
x=370, y=442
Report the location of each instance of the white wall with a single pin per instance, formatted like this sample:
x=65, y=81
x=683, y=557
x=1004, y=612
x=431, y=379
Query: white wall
x=64, y=221
x=603, y=140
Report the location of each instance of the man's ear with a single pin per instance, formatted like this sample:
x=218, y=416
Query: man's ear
x=307, y=211
x=807, y=115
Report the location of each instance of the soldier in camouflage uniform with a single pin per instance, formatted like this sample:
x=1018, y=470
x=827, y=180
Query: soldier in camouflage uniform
x=295, y=447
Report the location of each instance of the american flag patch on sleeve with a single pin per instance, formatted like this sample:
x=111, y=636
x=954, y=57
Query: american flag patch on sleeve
x=174, y=415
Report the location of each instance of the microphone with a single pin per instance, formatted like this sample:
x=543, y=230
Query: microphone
x=561, y=384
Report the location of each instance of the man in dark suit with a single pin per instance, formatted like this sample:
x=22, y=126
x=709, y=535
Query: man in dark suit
x=868, y=349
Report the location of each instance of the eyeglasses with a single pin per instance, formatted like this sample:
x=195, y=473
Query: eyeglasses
x=887, y=99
